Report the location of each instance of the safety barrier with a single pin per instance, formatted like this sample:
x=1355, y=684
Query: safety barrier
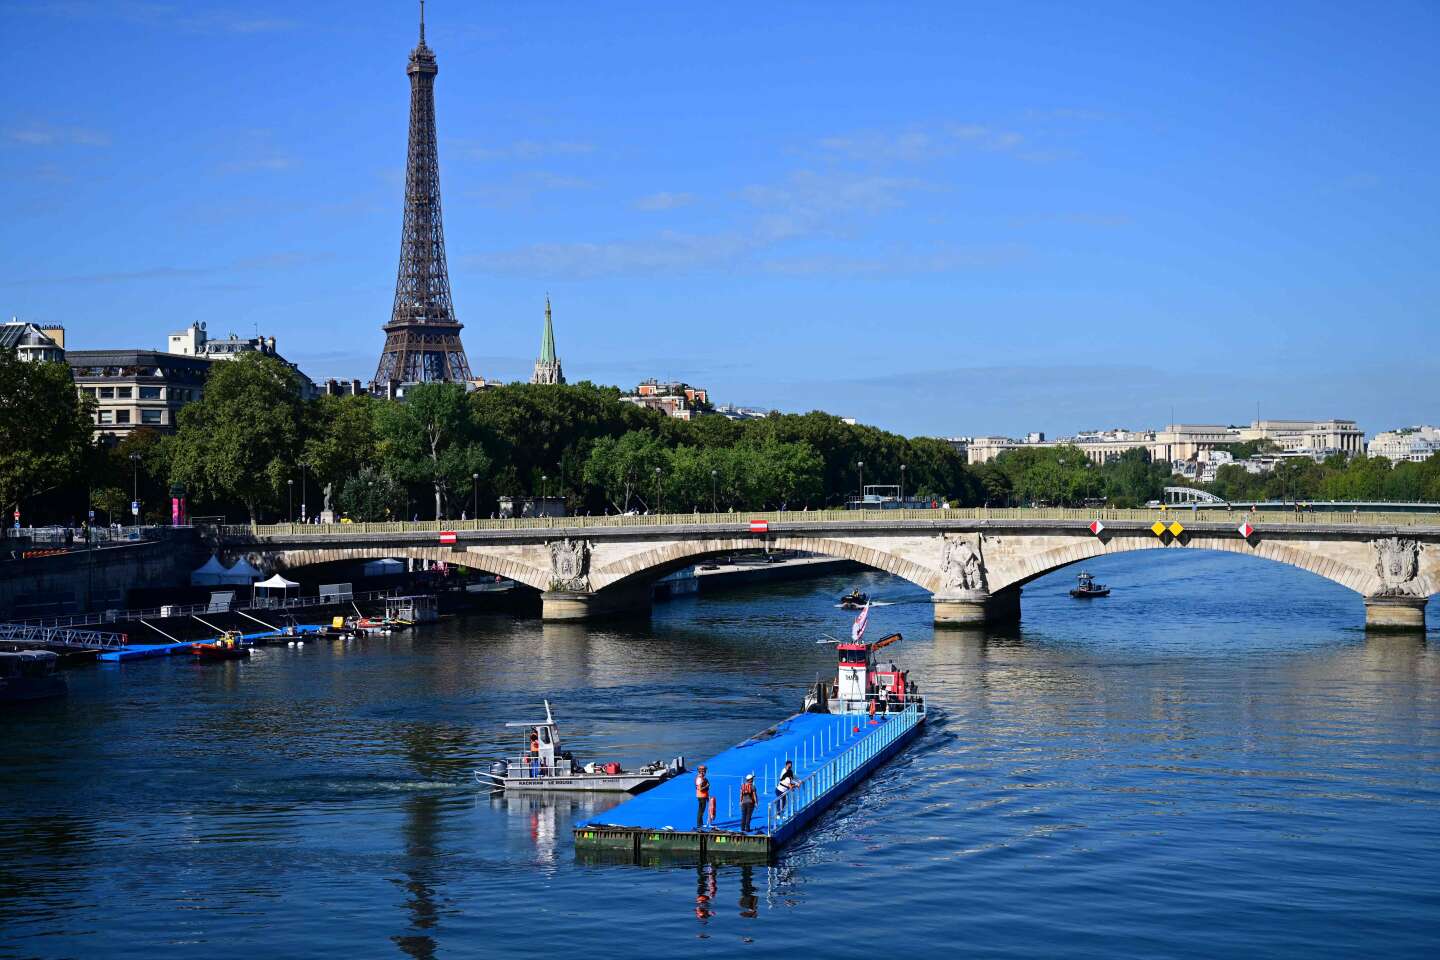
x=818, y=784
x=1278, y=518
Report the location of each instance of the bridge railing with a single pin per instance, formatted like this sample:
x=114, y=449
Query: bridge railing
x=741, y=519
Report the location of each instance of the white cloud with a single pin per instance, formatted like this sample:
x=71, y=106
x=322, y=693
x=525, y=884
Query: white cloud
x=913, y=145
x=160, y=15
x=664, y=200
x=45, y=135
x=935, y=260
x=524, y=149
x=665, y=253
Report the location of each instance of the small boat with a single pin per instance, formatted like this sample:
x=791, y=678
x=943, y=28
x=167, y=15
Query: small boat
x=546, y=766
x=227, y=647
x=854, y=600
x=30, y=675
x=1087, y=587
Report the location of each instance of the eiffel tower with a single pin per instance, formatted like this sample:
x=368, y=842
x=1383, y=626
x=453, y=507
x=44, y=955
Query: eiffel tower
x=422, y=339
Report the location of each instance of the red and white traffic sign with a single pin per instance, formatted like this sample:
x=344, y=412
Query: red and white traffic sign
x=759, y=526
x=447, y=536
x=1245, y=530
x=1096, y=527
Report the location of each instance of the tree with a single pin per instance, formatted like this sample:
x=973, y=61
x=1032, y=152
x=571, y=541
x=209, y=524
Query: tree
x=111, y=501
x=1051, y=475
x=430, y=438
x=1132, y=479
x=240, y=441
x=549, y=429
x=344, y=438
x=45, y=428
x=370, y=495
x=623, y=468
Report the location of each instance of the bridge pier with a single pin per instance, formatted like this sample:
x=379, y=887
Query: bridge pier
x=561, y=605
x=1395, y=613
x=973, y=607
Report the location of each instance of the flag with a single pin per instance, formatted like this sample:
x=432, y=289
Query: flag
x=858, y=629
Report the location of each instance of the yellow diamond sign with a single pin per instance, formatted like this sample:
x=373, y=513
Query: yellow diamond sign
x=1157, y=528
x=1176, y=529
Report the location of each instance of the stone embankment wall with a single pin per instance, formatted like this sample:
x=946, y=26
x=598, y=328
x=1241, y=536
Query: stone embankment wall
x=98, y=579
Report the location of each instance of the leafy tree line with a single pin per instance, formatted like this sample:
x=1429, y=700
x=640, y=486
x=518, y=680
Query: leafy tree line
x=1336, y=478
x=1065, y=476
x=252, y=448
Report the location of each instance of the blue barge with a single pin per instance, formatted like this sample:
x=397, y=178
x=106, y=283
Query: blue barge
x=848, y=730
x=147, y=651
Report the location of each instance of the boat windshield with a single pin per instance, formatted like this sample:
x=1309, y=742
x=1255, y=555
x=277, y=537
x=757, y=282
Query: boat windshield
x=852, y=658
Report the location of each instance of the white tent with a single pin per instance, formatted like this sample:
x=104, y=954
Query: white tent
x=383, y=568
x=212, y=574
x=276, y=582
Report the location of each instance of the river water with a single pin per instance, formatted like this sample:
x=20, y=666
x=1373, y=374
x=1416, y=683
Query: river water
x=1215, y=761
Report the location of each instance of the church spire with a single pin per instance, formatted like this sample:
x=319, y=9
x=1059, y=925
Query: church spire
x=547, y=368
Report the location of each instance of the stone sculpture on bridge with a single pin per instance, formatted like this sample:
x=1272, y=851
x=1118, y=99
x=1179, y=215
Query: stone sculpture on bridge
x=570, y=565
x=1397, y=563
x=962, y=567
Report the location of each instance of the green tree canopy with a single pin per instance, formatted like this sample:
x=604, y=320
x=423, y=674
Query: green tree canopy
x=431, y=438
x=45, y=428
x=240, y=441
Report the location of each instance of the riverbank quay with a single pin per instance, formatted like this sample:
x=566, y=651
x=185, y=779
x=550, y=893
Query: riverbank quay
x=832, y=754
x=44, y=575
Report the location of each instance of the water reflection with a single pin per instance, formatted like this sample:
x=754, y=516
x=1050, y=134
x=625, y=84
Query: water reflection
x=422, y=851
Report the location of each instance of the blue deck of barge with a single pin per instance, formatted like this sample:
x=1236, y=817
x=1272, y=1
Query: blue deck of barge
x=664, y=818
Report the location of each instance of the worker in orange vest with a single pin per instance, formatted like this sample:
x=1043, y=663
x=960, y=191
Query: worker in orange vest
x=747, y=802
x=702, y=796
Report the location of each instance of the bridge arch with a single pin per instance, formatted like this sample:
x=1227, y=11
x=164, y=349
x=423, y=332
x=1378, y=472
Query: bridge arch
x=307, y=557
x=1036, y=565
x=667, y=558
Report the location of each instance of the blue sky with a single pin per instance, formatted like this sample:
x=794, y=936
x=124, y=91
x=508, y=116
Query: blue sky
x=942, y=218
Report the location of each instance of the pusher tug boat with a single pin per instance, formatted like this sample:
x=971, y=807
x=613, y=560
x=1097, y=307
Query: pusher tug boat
x=546, y=766
x=799, y=767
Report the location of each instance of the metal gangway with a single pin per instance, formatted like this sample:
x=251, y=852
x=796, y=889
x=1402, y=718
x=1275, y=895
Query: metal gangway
x=21, y=634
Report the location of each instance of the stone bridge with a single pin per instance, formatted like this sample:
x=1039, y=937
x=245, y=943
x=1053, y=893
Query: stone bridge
x=974, y=562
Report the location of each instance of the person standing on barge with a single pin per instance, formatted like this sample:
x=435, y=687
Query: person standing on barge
x=747, y=802
x=702, y=796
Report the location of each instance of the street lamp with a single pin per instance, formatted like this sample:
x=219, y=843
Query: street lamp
x=369, y=499
x=304, y=514
x=544, y=508
x=902, y=486
x=475, y=494
x=657, y=489
x=135, y=489
x=714, y=502
x=290, y=491
x=860, y=465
